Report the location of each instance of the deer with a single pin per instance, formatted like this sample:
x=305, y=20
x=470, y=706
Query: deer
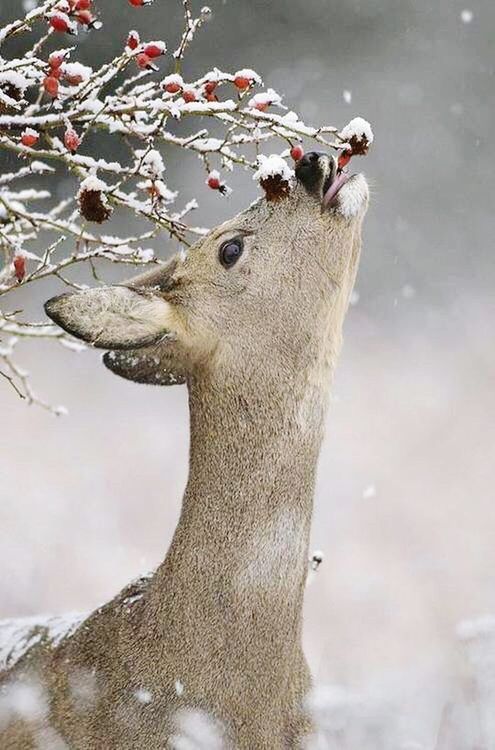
x=250, y=319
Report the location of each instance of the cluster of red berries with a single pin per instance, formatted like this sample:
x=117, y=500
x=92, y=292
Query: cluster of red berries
x=146, y=52
x=30, y=137
x=209, y=90
x=73, y=75
x=69, y=12
x=51, y=80
x=174, y=84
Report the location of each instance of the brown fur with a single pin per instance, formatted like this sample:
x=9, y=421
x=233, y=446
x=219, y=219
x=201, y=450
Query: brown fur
x=223, y=613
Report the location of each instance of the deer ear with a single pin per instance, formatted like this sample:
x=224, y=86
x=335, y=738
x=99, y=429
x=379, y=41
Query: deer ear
x=114, y=317
x=153, y=365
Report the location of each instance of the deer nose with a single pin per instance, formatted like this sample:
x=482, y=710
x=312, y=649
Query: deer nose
x=314, y=169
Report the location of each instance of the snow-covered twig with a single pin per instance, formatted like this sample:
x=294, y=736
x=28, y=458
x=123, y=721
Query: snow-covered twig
x=191, y=27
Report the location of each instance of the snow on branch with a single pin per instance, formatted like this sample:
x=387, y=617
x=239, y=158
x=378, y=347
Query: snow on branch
x=54, y=114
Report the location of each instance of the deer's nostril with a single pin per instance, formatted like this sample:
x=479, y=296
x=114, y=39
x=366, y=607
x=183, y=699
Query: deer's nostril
x=309, y=170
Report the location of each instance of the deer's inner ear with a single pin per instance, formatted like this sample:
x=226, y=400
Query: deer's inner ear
x=113, y=317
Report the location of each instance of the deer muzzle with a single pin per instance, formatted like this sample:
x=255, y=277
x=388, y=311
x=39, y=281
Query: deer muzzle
x=319, y=174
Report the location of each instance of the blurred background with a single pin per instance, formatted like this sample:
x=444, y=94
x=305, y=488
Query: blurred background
x=404, y=505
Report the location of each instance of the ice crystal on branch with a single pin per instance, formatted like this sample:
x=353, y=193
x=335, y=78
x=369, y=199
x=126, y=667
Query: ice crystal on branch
x=59, y=117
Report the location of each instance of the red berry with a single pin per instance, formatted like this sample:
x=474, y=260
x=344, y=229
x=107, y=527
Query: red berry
x=155, y=49
x=153, y=191
x=172, y=88
x=19, y=267
x=133, y=40
x=144, y=62
x=55, y=61
x=262, y=106
x=210, y=87
x=139, y=3
x=82, y=5
x=242, y=83
x=73, y=80
x=189, y=95
x=214, y=182
x=297, y=152
x=344, y=159
x=50, y=84
x=71, y=140
x=29, y=137
x=86, y=18
x=60, y=22
x=211, y=98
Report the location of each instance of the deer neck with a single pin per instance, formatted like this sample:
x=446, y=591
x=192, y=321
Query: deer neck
x=241, y=545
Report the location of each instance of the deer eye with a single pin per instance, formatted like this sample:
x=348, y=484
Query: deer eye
x=230, y=252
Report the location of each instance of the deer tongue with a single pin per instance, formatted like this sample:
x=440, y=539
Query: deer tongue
x=340, y=180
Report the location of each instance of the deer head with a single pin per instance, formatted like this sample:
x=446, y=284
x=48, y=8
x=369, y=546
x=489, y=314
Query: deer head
x=269, y=287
